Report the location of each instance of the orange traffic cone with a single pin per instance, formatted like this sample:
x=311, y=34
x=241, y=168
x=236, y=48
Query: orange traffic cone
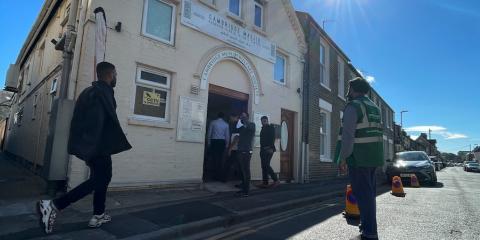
x=351, y=207
x=414, y=181
x=397, y=187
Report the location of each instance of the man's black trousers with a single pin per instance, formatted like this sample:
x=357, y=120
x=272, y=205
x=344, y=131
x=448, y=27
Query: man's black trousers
x=100, y=176
x=266, y=157
x=218, y=150
x=244, y=162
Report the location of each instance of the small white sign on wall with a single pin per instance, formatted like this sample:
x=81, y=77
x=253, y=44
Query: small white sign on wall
x=191, y=120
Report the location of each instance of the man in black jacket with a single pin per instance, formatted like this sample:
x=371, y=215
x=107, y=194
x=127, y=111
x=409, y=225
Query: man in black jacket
x=267, y=148
x=95, y=135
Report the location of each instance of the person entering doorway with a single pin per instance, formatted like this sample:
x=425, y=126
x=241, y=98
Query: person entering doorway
x=218, y=141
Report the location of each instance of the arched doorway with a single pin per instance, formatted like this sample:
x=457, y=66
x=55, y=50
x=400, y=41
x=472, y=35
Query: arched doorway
x=233, y=87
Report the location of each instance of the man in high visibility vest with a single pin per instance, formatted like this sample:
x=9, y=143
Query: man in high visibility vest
x=360, y=148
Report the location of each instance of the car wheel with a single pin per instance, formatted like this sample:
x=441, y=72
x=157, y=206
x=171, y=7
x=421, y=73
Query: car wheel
x=433, y=182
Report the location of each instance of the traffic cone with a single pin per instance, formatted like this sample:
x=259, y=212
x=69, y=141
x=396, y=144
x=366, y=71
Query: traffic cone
x=397, y=187
x=414, y=181
x=351, y=207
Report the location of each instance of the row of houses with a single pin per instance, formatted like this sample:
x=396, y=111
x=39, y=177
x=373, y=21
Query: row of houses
x=179, y=63
x=403, y=142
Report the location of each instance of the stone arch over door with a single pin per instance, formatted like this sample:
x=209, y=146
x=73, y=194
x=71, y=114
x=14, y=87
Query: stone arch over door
x=223, y=54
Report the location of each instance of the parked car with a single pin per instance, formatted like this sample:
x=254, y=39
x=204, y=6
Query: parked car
x=472, y=167
x=408, y=163
x=465, y=164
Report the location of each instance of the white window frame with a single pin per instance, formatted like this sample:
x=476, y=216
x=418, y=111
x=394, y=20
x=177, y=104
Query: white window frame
x=53, y=86
x=239, y=9
x=341, y=78
x=326, y=157
x=324, y=67
x=172, y=26
x=285, y=59
x=157, y=86
x=261, y=12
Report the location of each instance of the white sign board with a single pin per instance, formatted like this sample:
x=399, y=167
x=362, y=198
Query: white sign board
x=218, y=26
x=191, y=120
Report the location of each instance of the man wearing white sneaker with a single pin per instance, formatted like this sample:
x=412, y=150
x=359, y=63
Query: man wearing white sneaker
x=95, y=135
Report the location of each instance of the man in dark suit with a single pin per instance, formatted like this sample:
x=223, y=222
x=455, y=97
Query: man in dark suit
x=95, y=135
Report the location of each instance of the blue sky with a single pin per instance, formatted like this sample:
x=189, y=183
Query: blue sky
x=422, y=55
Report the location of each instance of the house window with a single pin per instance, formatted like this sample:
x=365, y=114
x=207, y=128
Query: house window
x=34, y=113
x=234, y=7
x=20, y=82
x=341, y=79
x=280, y=68
x=384, y=116
x=159, y=20
x=325, y=136
x=17, y=118
x=323, y=69
x=26, y=75
x=258, y=14
x=53, y=87
x=152, y=94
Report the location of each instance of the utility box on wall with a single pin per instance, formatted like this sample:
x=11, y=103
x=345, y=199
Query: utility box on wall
x=56, y=155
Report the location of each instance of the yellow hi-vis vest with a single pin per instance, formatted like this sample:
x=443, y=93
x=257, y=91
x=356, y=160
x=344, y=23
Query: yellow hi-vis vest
x=368, y=146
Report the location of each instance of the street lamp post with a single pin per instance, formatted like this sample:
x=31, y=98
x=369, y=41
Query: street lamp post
x=401, y=118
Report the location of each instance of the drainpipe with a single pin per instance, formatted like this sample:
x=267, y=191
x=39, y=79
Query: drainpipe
x=56, y=155
x=78, y=49
x=305, y=111
x=70, y=39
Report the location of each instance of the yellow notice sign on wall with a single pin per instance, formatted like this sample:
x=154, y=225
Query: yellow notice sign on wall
x=151, y=98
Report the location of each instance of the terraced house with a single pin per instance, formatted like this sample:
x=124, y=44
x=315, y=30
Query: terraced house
x=328, y=70
x=179, y=63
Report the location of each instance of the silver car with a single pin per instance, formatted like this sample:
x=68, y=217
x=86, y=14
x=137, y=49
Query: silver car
x=411, y=163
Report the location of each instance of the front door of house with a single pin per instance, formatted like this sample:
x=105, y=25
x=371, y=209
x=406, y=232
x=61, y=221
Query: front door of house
x=287, y=145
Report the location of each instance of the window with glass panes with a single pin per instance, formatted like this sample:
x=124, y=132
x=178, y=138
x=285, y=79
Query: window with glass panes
x=158, y=22
x=258, y=14
x=323, y=77
x=152, y=94
x=234, y=6
x=280, y=68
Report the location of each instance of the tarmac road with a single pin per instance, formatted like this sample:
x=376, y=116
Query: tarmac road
x=450, y=210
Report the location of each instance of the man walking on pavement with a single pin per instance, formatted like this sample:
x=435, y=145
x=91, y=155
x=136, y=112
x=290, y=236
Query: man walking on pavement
x=360, y=147
x=245, y=143
x=95, y=135
x=218, y=140
x=267, y=148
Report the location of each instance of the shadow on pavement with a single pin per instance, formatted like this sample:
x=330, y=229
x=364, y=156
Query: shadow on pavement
x=296, y=225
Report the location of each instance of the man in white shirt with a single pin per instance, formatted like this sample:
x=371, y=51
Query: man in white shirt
x=218, y=141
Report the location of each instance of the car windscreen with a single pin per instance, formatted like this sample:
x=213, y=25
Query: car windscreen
x=473, y=164
x=412, y=156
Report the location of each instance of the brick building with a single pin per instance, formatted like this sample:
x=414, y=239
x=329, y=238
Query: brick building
x=327, y=74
